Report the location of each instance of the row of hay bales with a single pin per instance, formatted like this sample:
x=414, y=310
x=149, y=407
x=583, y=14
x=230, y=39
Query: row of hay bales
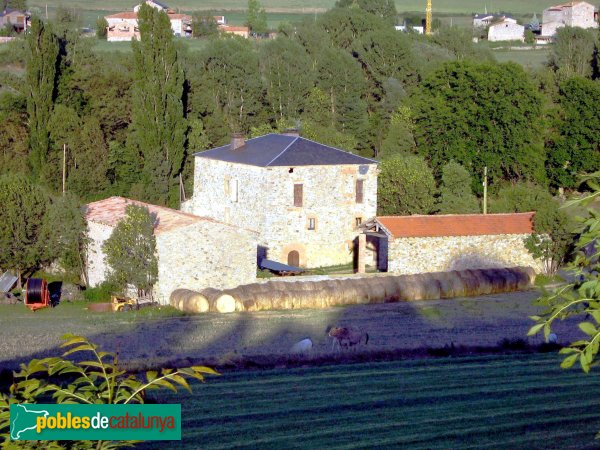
x=351, y=291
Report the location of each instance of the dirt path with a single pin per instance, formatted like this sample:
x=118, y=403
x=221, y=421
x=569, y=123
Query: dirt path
x=477, y=321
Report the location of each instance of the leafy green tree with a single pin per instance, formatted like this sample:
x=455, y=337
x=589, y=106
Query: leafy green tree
x=576, y=148
x=328, y=135
x=459, y=41
x=101, y=28
x=399, y=139
x=256, y=18
x=552, y=236
x=131, y=251
x=204, y=25
x=158, y=124
x=581, y=296
x=14, y=145
x=66, y=228
x=481, y=114
x=574, y=52
x=226, y=88
x=456, y=196
x=384, y=9
x=40, y=78
x=284, y=67
x=406, y=186
x=20, y=5
x=22, y=228
x=343, y=26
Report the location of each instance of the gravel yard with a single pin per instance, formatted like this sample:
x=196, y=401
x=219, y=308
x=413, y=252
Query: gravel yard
x=156, y=337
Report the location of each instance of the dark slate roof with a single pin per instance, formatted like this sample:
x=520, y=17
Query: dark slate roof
x=283, y=150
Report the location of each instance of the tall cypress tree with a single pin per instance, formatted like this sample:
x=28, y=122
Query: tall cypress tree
x=41, y=57
x=158, y=123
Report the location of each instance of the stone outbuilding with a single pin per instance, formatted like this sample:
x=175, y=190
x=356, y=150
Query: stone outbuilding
x=506, y=30
x=193, y=252
x=306, y=199
x=418, y=244
x=572, y=14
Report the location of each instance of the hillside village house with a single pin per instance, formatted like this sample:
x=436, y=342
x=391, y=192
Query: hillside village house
x=305, y=199
x=573, y=14
x=123, y=26
x=16, y=19
x=193, y=252
x=506, y=29
x=418, y=244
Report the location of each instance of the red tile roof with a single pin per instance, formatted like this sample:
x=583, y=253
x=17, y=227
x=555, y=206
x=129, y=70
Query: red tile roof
x=111, y=211
x=123, y=15
x=457, y=225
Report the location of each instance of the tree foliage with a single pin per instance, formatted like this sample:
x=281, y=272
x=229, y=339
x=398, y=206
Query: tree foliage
x=256, y=18
x=131, y=251
x=204, y=25
x=575, y=52
x=406, y=186
x=23, y=231
x=481, y=114
x=158, y=124
x=41, y=60
x=581, y=296
x=456, y=196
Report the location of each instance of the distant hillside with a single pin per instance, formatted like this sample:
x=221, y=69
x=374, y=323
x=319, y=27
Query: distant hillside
x=439, y=6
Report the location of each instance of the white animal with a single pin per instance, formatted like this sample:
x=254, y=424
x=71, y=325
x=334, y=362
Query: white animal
x=303, y=346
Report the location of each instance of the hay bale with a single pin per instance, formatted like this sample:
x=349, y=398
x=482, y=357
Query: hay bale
x=100, y=307
x=525, y=277
x=375, y=290
x=225, y=303
x=451, y=285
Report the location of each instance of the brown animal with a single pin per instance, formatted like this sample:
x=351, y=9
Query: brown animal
x=347, y=337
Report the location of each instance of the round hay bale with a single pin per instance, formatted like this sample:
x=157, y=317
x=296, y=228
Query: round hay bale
x=451, y=285
x=375, y=290
x=484, y=280
x=428, y=285
x=409, y=288
x=225, y=303
x=498, y=280
x=469, y=281
x=391, y=288
x=525, y=277
x=196, y=303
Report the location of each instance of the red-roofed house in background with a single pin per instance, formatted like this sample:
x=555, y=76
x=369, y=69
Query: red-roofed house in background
x=18, y=20
x=417, y=244
x=572, y=14
x=193, y=252
x=123, y=26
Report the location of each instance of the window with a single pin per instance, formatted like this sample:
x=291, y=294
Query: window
x=312, y=223
x=358, y=221
x=233, y=190
x=297, y=195
x=359, y=190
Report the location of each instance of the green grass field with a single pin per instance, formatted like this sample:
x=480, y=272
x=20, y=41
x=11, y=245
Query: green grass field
x=309, y=6
x=530, y=59
x=500, y=402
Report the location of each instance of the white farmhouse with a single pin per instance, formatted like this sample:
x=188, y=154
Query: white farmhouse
x=193, y=252
x=306, y=199
x=506, y=30
x=573, y=14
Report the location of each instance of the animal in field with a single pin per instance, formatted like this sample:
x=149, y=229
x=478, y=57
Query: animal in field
x=303, y=346
x=344, y=338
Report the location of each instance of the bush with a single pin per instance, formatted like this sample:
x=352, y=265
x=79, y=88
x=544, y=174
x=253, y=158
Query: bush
x=101, y=293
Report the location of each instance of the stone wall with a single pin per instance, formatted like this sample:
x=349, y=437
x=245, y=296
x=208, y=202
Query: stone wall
x=506, y=31
x=265, y=202
x=437, y=254
x=96, y=267
x=203, y=255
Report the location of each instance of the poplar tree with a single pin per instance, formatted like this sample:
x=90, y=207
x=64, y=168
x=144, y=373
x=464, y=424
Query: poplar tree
x=158, y=124
x=41, y=60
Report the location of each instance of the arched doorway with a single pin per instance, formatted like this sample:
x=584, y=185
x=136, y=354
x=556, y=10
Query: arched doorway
x=293, y=258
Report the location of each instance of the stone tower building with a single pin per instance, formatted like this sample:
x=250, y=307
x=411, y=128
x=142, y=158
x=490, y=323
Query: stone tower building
x=305, y=199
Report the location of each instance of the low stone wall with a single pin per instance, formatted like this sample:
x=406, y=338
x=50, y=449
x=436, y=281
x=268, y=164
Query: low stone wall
x=433, y=254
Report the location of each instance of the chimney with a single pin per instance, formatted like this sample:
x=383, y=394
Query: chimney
x=237, y=141
x=291, y=132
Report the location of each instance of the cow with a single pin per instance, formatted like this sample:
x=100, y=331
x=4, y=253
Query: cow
x=347, y=337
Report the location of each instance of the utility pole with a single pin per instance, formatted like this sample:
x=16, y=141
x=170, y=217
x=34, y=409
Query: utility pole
x=428, y=10
x=485, y=184
x=64, y=177
x=46, y=11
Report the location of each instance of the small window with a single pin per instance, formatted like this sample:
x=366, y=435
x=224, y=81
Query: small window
x=233, y=190
x=312, y=223
x=358, y=221
x=359, y=190
x=298, y=195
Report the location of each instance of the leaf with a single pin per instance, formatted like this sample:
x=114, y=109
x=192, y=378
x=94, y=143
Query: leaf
x=151, y=375
x=81, y=348
x=204, y=369
x=533, y=330
x=165, y=384
x=584, y=364
x=182, y=381
x=588, y=328
x=568, y=362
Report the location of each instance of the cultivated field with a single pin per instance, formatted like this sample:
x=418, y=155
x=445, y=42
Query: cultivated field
x=151, y=337
x=499, y=402
x=530, y=59
x=308, y=6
